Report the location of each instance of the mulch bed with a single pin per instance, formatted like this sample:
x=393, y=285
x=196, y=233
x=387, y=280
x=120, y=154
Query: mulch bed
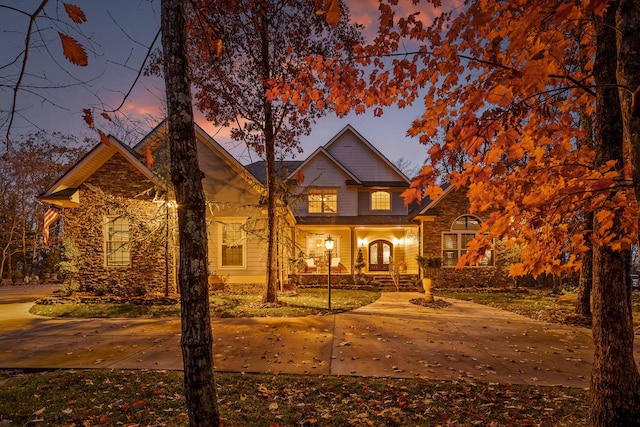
x=436, y=303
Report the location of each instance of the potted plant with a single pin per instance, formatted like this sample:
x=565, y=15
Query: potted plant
x=402, y=267
x=430, y=266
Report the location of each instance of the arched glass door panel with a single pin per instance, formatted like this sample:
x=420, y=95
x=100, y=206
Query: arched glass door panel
x=380, y=252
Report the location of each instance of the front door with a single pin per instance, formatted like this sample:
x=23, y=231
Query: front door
x=379, y=254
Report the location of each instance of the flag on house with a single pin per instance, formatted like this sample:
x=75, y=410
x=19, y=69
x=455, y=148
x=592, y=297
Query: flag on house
x=50, y=217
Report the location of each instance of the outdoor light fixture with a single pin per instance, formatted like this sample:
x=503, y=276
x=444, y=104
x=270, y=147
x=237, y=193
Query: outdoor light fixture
x=328, y=244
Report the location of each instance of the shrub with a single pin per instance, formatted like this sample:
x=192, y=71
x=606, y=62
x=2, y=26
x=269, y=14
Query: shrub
x=69, y=288
x=358, y=266
x=69, y=266
x=140, y=291
x=100, y=289
x=430, y=266
x=16, y=276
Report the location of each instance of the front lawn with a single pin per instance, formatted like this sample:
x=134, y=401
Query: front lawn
x=156, y=398
x=304, y=302
x=538, y=304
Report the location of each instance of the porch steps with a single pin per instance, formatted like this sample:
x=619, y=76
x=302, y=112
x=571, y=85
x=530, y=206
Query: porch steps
x=406, y=283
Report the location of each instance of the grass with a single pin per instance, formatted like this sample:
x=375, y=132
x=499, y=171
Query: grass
x=537, y=304
x=79, y=310
x=156, y=398
x=223, y=304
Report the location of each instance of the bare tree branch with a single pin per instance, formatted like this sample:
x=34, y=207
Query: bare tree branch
x=25, y=59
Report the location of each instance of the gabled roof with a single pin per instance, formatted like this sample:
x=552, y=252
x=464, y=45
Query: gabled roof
x=427, y=204
x=358, y=220
x=366, y=143
x=380, y=184
x=158, y=136
x=64, y=192
x=283, y=169
x=321, y=151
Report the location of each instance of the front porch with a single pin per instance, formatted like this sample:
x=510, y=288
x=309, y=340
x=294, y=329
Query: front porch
x=372, y=281
x=378, y=249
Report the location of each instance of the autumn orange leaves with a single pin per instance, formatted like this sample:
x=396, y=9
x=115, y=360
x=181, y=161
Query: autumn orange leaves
x=508, y=92
x=72, y=50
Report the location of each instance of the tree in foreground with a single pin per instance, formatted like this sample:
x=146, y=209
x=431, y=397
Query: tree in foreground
x=197, y=337
x=240, y=52
x=615, y=380
x=507, y=84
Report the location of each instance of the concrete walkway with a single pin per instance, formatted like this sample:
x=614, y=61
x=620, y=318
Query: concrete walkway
x=391, y=338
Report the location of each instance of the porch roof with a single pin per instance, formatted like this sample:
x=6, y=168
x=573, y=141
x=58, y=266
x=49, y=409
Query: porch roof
x=356, y=220
x=381, y=184
x=67, y=198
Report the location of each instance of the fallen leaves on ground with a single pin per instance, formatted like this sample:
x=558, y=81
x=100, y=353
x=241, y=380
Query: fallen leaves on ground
x=155, y=398
x=436, y=303
x=538, y=304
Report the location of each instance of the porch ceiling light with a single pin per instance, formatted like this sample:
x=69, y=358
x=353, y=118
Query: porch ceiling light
x=328, y=244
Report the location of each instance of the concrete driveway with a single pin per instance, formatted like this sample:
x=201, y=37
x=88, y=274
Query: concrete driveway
x=390, y=338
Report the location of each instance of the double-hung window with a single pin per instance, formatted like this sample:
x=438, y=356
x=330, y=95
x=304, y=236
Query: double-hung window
x=323, y=200
x=232, y=244
x=117, y=241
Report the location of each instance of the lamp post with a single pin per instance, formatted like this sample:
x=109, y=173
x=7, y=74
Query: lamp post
x=328, y=244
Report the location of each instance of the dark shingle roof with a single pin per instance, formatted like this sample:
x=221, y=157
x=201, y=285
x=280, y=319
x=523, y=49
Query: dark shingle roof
x=396, y=184
x=355, y=220
x=283, y=169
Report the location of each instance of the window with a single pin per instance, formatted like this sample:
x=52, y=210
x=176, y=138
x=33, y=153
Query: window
x=380, y=201
x=316, y=247
x=118, y=246
x=232, y=245
x=454, y=242
x=322, y=200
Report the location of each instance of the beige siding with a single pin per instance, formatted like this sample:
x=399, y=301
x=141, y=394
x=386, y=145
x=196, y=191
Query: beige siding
x=324, y=173
x=233, y=198
x=361, y=160
x=254, y=254
x=397, y=204
x=223, y=183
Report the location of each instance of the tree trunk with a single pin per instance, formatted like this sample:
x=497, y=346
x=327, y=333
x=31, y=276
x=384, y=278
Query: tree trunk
x=271, y=294
x=628, y=77
x=583, y=303
x=197, y=338
x=556, y=283
x=615, y=381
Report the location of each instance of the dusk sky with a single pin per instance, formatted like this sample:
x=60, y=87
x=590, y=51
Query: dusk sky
x=116, y=36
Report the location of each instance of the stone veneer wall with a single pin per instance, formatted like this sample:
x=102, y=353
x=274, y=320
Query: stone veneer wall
x=117, y=188
x=452, y=206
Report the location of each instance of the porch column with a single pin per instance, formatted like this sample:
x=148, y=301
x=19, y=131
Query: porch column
x=354, y=245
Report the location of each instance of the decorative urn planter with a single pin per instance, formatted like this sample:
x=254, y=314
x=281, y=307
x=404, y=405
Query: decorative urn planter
x=430, y=267
x=427, y=284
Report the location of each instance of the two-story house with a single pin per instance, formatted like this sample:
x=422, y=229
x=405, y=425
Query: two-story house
x=349, y=191
x=118, y=208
